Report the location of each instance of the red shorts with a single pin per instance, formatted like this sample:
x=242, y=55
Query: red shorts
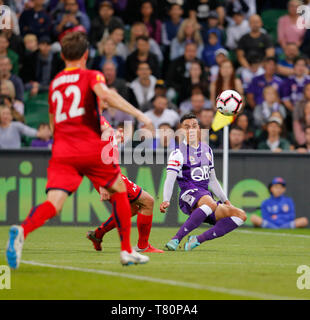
x=67, y=173
x=134, y=191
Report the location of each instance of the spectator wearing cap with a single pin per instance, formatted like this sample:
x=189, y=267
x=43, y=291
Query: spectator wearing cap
x=71, y=19
x=141, y=54
x=278, y=211
x=148, y=17
x=292, y=87
x=236, y=31
x=6, y=74
x=105, y=23
x=220, y=56
x=255, y=69
x=189, y=31
x=269, y=78
x=35, y=20
x=171, y=26
x=6, y=52
x=271, y=103
x=285, y=66
x=143, y=86
x=288, y=30
x=274, y=141
x=254, y=41
x=179, y=68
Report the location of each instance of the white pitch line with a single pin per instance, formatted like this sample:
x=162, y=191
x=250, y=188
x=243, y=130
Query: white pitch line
x=275, y=234
x=190, y=285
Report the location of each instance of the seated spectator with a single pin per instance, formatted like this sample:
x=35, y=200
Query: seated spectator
x=197, y=103
x=208, y=53
x=220, y=56
x=271, y=103
x=292, y=88
x=212, y=25
x=171, y=26
x=11, y=132
x=31, y=43
x=278, y=211
x=188, y=32
x=103, y=25
x=71, y=19
x=161, y=114
x=269, y=78
x=240, y=6
x=7, y=95
x=46, y=141
x=288, y=30
x=285, y=66
x=179, y=68
x=109, y=71
x=139, y=29
x=117, y=35
x=160, y=90
x=144, y=85
x=242, y=121
x=274, y=142
x=141, y=54
x=214, y=139
x=254, y=42
x=237, y=139
x=107, y=53
x=6, y=52
x=305, y=148
x=226, y=80
x=237, y=30
x=200, y=9
x=6, y=74
x=197, y=76
x=35, y=20
x=165, y=140
x=148, y=17
x=301, y=122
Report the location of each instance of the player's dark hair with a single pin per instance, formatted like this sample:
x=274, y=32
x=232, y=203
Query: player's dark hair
x=74, y=45
x=188, y=116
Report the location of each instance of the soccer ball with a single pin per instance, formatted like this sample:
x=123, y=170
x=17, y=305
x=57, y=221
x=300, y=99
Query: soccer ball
x=229, y=103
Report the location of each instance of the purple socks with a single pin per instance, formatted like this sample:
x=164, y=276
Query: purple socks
x=194, y=221
x=221, y=227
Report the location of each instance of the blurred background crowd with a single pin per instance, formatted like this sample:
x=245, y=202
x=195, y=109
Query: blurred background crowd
x=167, y=57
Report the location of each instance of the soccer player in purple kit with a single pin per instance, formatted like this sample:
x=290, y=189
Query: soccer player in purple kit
x=191, y=164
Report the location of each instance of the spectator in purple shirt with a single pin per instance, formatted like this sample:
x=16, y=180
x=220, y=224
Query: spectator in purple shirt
x=255, y=90
x=46, y=141
x=35, y=20
x=291, y=90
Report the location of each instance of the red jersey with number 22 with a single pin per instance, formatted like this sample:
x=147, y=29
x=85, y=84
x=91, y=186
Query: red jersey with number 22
x=73, y=104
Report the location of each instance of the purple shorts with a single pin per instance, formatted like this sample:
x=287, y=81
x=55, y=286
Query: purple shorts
x=189, y=198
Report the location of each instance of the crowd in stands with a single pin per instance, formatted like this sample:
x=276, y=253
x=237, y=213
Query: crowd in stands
x=167, y=57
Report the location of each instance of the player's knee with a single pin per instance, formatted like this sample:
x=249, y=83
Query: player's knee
x=238, y=213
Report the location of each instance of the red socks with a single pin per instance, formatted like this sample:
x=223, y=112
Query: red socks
x=144, y=224
x=106, y=226
x=38, y=216
x=122, y=217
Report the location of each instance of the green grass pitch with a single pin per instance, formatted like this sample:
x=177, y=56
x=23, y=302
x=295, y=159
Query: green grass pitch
x=245, y=264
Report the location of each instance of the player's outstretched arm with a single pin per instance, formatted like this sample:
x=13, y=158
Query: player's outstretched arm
x=216, y=188
x=118, y=102
x=168, y=189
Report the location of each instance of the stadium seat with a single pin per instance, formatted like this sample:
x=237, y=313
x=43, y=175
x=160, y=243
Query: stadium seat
x=270, y=19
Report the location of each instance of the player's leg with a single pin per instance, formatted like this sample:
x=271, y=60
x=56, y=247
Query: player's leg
x=227, y=218
x=145, y=206
x=37, y=216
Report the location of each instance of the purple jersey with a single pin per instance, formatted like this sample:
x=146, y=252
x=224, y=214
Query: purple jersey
x=259, y=83
x=292, y=89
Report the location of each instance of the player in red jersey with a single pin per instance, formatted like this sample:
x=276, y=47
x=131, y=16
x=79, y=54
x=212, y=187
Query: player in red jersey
x=77, y=148
x=142, y=204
